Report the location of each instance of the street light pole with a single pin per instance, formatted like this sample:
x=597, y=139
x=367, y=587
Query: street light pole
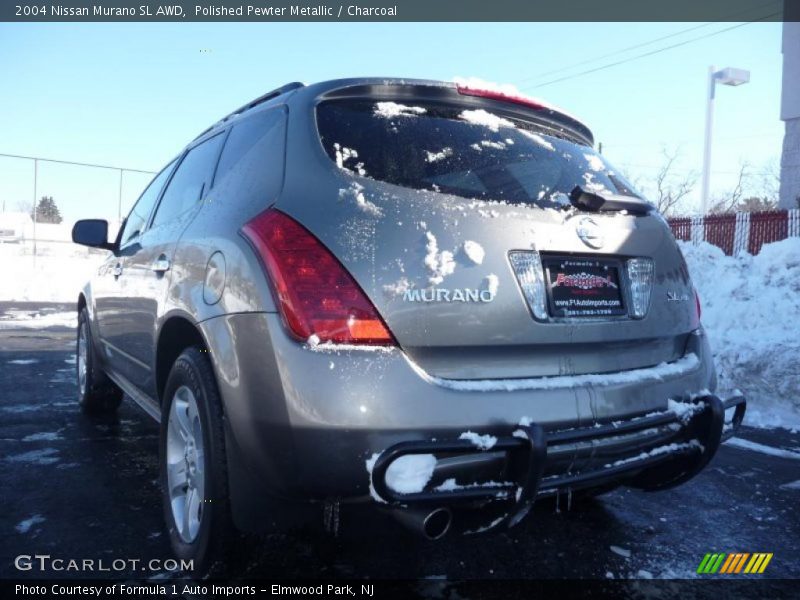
x=707, y=142
x=727, y=76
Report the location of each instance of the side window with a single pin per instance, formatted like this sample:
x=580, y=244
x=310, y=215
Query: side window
x=191, y=179
x=144, y=205
x=251, y=165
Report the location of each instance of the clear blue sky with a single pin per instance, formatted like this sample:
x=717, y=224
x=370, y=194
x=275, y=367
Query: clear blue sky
x=133, y=94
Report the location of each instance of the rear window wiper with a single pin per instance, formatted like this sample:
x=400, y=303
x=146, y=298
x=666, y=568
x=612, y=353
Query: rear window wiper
x=583, y=199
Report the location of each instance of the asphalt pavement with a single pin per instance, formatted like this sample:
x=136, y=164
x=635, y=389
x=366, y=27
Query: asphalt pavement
x=75, y=486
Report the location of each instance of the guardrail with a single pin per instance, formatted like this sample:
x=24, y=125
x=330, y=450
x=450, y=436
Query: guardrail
x=735, y=233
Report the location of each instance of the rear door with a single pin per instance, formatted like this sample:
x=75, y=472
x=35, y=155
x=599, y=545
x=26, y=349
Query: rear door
x=431, y=202
x=149, y=264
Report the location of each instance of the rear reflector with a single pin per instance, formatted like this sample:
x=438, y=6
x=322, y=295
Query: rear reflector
x=315, y=294
x=697, y=304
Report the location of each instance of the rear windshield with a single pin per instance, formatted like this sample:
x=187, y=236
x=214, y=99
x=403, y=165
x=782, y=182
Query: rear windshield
x=469, y=153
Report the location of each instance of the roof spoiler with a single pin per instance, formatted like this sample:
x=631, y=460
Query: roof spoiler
x=260, y=100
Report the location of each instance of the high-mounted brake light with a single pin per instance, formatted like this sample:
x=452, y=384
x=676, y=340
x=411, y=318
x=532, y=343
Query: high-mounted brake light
x=316, y=295
x=501, y=96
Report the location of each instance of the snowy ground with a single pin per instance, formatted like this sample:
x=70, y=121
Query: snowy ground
x=751, y=310
x=56, y=273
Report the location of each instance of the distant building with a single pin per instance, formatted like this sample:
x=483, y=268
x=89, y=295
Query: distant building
x=790, y=114
x=14, y=225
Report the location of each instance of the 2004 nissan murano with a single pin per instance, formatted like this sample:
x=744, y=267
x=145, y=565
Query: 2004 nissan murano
x=422, y=297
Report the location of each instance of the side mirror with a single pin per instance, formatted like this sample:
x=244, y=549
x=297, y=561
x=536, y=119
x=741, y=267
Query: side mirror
x=92, y=232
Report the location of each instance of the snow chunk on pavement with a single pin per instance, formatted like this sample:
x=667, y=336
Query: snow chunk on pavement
x=484, y=442
x=486, y=119
x=45, y=456
x=25, y=526
x=44, y=436
x=474, y=251
x=389, y=110
x=410, y=474
x=763, y=449
x=624, y=552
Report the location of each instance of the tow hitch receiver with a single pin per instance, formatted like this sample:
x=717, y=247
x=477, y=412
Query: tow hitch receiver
x=680, y=443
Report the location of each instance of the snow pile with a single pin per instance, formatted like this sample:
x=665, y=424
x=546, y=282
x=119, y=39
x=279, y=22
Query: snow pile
x=23, y=319
x=56, y=274
x=751, y=312
x=390, y=110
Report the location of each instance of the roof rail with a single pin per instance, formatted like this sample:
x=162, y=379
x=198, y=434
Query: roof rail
x=261, y=99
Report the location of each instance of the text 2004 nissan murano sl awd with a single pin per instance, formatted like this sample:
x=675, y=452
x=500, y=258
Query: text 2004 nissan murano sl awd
x=429, y=299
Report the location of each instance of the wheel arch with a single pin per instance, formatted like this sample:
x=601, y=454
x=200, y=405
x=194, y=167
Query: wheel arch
x=177, y=333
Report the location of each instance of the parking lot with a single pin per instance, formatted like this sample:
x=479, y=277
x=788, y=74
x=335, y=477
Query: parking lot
x=82, y=487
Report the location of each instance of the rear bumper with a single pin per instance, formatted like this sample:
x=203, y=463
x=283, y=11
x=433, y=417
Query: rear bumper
x=303, y=423
x=682, y=440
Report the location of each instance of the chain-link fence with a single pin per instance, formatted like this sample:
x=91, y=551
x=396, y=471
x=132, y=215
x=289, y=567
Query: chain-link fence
x=41, y=198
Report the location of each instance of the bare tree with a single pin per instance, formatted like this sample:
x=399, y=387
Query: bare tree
x=730, y=201
x=672, y=187
x=770, y=180
x=25, y=206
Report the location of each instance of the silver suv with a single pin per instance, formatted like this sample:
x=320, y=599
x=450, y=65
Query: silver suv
x=429, y=299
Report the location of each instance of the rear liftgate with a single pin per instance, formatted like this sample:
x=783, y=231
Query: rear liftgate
x=679, y=446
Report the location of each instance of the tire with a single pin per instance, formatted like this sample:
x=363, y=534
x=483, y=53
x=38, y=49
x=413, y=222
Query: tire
x=97, y=394
x=194, y=473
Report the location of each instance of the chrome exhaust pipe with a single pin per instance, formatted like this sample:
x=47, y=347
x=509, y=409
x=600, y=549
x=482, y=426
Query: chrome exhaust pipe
x=432, y=524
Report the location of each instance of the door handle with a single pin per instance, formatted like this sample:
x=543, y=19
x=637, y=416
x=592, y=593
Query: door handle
x=117, y=270
x=161, y=265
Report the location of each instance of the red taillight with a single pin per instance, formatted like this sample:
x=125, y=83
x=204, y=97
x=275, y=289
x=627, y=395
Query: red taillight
x=697, y=304
x=316, y=295
x=501, y=96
